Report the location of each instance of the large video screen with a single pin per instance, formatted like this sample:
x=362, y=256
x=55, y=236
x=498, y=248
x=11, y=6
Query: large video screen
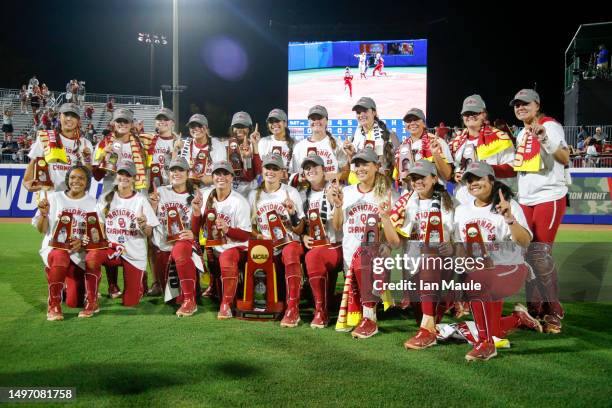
x=393, y=73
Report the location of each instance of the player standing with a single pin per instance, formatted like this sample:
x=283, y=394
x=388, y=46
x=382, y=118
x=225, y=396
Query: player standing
x=363, y=64
x=380, y=64
x=348, y=81
x=542, y=194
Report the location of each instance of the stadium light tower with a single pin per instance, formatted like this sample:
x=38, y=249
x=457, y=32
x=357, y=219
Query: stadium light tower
x=175, y=64
x=152, y=41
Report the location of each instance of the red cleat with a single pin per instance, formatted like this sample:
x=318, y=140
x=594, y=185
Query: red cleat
x=54, y=313
x=320, y=320
x=188, y=308
x=482, y=351
x=423, y=339
x=552, y=324
x=291, y=317
x=114, y=292
x=525, y=319
x=366, y=329
x=225, y=312
x=90, y=309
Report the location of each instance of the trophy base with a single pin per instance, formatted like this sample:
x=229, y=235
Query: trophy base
x=273, y=312
x=99, y=245
x=214, y=243
x=65, y=247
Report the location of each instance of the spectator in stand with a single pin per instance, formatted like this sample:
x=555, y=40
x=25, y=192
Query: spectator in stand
x=23, y=98
x=90, y=133
x=81, y=93
x=602, y=58
x=89, y=111
x=45, y=93
x=33, y=82
x=580, y=145
x=45, y=121
x=54, y=118
x=9, y=149
x=24, y=142
x=599, y=136
x=110, y=105
x=582, y=133
x=7, y=123
x=35, y=100
x=515, y=130
x=591, y=154
x=442, y=131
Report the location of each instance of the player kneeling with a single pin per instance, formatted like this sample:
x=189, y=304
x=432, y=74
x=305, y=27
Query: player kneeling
x=61, y=218
x=494, y=231
x=225, y=218
x=128, y=219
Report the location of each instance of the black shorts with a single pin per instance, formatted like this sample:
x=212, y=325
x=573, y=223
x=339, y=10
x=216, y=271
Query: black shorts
x=7, y=128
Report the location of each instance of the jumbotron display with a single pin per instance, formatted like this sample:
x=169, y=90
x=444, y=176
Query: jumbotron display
x=336, y=74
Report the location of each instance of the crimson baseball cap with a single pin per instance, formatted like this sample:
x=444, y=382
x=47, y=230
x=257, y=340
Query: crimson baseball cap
x=526, y=95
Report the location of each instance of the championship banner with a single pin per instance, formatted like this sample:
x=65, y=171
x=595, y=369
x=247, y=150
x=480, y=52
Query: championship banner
x=174, y=224
x=214, y=236
x=260, y=297
x=41, y=173
x=233, y=155
x=475, y=245
x=277, y=230
x=198, y=169
x=317, y=229
x=62, y=235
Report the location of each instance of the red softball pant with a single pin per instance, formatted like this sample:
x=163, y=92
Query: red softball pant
x=62, y=271
x=132, y=276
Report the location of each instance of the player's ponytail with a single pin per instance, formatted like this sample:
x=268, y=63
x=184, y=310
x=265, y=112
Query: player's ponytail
x=332, y=141
x=191, y=191
x=447, y=201
x=382, y=185
x=258, y=191
x=108, y=199
x=388, y=155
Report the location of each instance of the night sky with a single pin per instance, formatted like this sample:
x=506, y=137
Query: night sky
x=491, y=48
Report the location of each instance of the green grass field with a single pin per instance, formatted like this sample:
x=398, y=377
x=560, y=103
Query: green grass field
x=147, y=356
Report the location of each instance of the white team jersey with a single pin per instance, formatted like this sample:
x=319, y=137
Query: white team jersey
x=161, y=153
x=274, y=202
x=168, y=198
x=269, y=144
x=58, y=171
x=468, y=151
x=219, y=153
x=235, y=211
x=334, y=159
x=121, y=226
x=192, y=149
x=59, y=202
x=417, y=213
x=549, y=183
x=359, y=140
x=356, y=207
x=494, y=231
x=124, y=152
x=316, y=203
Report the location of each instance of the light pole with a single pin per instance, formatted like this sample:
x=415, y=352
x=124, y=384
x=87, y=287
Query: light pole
x=175, y=64
x=152, y=40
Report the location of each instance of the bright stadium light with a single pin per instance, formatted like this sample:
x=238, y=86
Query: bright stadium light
x=152, y=40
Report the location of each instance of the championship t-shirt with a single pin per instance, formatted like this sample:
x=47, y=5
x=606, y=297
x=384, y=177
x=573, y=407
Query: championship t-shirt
x=58, y=203
x=124, y=153
x=74, y=152
x=334, y=159
x=234, y=210
x=169, y=199
x=274, y=202
x=316, y=203
x=122, y=227
x=494, y=231
x=162, y=153
x=269, y=144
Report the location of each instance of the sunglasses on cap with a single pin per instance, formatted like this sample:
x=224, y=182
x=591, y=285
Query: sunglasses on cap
x=195, y=126
x=238, y=126
x=470, y=114
x=122, y=121
x=315, y=116
x=359, y=110
x=273, y=120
